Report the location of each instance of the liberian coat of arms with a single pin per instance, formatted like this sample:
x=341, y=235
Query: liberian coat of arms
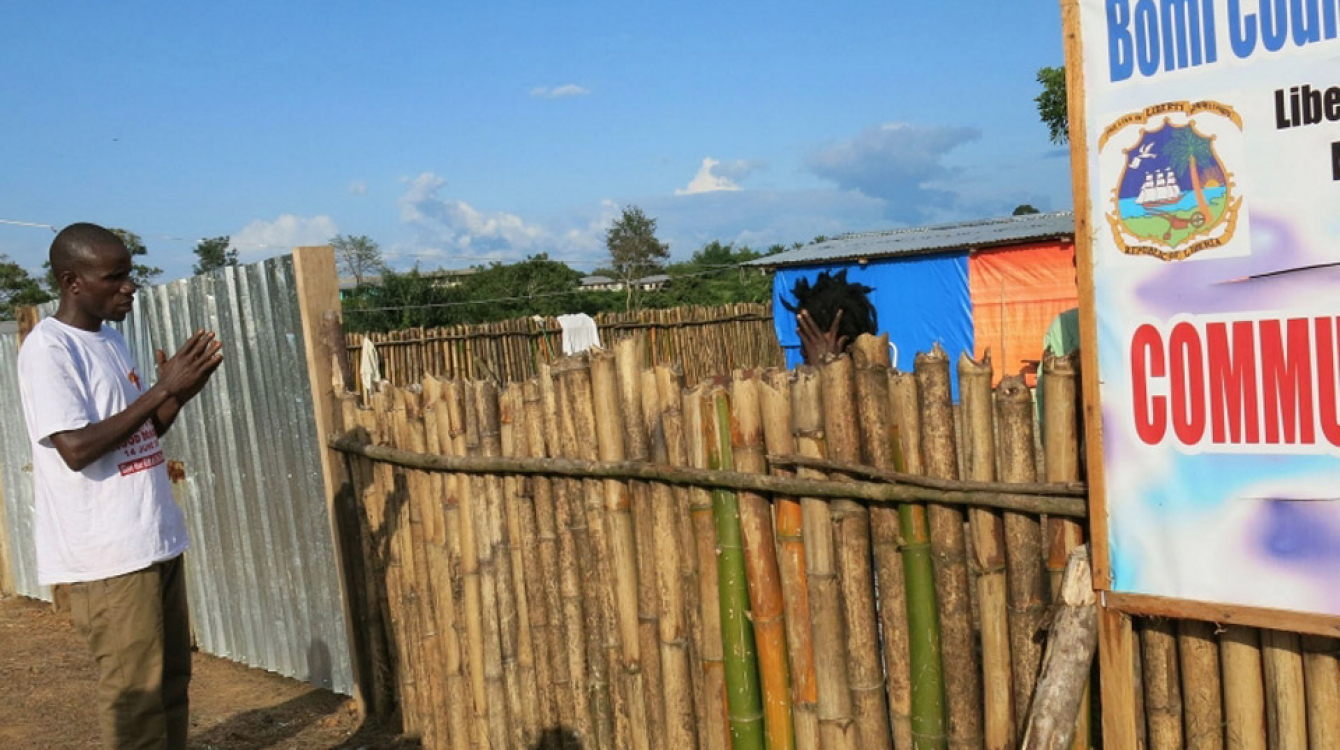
x=1174, y=196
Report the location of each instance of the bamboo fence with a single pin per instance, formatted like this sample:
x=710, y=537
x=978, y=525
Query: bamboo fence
x=832, y=557
x=704, y=340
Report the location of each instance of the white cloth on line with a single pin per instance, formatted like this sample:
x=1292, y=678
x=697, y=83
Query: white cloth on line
x=579, y=333
x=369, y=365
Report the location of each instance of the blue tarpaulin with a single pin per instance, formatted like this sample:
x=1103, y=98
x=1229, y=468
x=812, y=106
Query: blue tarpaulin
x=919, y=301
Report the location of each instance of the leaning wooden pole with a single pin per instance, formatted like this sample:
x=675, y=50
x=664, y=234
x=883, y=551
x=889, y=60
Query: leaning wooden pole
x=963, y=685
x=988, y=549
x=775, y=392
x=1068, y=661
x=665, y=542
x=923, y=617
x=744, y=695
x=767, y=610
x=879, y=448
x=624, y=571
x=837, y=726
x=1023, y=543
x=851, y=528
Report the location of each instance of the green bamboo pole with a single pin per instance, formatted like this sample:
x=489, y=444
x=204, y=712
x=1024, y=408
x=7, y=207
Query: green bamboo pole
x=962, y=672
x=744, y=694
x=923, y=620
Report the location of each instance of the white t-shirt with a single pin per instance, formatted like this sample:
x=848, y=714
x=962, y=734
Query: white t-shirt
x=117, y=515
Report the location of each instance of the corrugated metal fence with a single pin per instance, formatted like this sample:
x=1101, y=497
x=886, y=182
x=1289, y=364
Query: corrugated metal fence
x=262, y=570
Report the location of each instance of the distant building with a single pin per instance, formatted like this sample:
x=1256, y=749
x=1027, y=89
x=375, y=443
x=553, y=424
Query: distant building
x=443, y=278
x=606, y=284
x=991, y=283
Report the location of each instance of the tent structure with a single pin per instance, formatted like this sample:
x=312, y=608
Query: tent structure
x=990, y=284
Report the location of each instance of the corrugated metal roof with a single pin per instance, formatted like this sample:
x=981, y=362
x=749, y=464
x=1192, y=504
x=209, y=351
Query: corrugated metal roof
x=916, y=240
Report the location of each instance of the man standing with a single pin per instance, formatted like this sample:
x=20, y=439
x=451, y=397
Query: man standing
x=106, y=522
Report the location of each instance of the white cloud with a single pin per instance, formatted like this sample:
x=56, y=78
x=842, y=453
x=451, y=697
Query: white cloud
x=713, y=176
x=469, y=232
x=559, y=92
x=284, y=233
x=358, y=187
x=760, y=218
x=899, y=163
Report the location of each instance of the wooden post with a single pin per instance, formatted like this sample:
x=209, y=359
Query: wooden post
x=963, y=682
x=1163, y=693
x=776, y=403
x=1322, y=674
x=851, y=533
x=1202, y=690
x=988, y=549
x=1286, y=707
x=626, y=658
x=1023, y=542
x=665, y=542
x=716, y=728
x=763, y=573
x=879, y=448
x=318, y=290
x=1244, y=688
x=837, y=728
x=1116, y=663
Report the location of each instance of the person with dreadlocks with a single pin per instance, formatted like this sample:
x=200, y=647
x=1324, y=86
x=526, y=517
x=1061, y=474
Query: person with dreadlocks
x=830, y=314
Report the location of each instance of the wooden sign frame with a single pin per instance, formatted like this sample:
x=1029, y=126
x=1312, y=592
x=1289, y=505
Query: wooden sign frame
x=1117, y=646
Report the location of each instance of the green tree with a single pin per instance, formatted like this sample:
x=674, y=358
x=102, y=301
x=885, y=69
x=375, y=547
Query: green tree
x=142, y=274
x=1024, y=209
x=358, y=256
x=1185, y=149
x=213, y=253
x=714, y=276
x=18, y=288
x=1052, y=104
x=634, y=250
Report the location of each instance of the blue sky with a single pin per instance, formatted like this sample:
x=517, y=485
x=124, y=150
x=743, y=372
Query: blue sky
x=454, y=133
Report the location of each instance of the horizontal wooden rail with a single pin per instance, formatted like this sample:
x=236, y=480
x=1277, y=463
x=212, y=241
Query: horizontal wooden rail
x=879, y=492
x=1050, y=489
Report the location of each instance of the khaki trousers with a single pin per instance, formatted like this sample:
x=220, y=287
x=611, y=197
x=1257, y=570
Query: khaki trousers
x=139, y=631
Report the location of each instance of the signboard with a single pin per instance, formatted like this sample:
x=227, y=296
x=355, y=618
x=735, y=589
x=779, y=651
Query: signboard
x=1207, y=139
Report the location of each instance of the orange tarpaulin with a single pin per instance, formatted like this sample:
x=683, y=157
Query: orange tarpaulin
x=1016, y=291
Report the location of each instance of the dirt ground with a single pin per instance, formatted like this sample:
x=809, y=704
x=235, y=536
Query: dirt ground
x=48, y=683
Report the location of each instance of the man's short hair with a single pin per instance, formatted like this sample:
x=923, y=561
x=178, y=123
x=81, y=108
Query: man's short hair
x=831, y=292
x=76, y=243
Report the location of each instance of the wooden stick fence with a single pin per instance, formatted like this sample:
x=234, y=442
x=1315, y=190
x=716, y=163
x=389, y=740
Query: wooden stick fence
x=704, y=340
x=600, y=558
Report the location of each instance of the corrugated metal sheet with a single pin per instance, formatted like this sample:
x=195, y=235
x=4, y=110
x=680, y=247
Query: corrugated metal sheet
x=969, y=235
x=261, y=572
x=16, y=477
